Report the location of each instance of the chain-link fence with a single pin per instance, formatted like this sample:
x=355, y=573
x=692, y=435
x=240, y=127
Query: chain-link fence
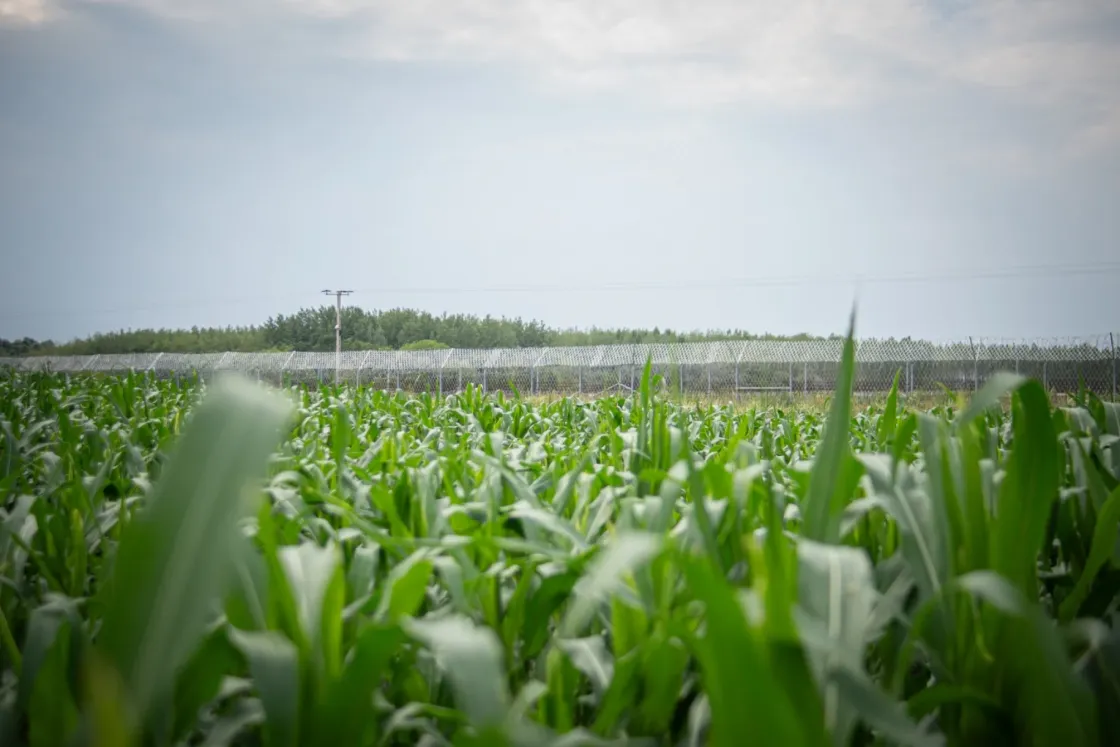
x=698, y=368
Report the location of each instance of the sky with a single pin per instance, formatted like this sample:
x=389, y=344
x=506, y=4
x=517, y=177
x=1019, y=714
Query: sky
x=951, y=167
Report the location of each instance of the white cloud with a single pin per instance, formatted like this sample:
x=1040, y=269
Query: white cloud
x=21, y=12
x=799, y=50
x=1056, y=54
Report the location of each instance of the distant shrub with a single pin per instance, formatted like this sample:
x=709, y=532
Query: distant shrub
x=424, y=345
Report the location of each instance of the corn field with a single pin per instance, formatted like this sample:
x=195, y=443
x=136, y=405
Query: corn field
x=739, y=368
x=220, y=562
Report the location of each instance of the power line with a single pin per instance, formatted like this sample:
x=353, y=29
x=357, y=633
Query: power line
x=954, y=275
x=195, y=303
x=756, y=281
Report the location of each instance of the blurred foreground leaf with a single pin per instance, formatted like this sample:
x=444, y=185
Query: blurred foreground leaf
x=175, y=554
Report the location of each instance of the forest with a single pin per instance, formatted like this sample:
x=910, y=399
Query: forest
x=312, y=330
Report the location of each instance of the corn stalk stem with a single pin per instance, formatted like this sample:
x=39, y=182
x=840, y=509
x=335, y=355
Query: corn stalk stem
x=9, y=644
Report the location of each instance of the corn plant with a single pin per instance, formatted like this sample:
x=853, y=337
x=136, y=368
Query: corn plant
x=187, y=563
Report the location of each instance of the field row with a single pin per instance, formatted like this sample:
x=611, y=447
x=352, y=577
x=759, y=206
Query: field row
x=222, y=563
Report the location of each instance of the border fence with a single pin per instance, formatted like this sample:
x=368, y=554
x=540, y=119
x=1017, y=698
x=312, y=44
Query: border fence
x=721, y=368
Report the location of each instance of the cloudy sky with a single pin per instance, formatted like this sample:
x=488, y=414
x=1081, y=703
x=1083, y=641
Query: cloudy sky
x=685, y=163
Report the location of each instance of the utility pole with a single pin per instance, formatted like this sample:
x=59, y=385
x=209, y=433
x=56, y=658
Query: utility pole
x=338, y=294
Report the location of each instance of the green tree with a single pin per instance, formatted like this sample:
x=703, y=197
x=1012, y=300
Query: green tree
x=312, y=330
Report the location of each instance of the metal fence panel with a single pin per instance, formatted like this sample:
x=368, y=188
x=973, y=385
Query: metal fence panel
x=714, y=368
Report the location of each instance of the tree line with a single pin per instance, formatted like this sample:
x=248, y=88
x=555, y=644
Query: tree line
x=312, y=329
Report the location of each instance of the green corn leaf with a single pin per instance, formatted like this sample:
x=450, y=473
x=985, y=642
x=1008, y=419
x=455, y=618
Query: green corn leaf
x=175, y=555
x=274, y=665
x=1051, y=704
x=591, y=657
x=826, y=497
x=200, y=680
x=51, y=708
x=316, y=582
x=925, y=541
x=837, y=600
x=995, y=389
x=471, y=657
x=885, y=429
x=346, y=715
x=1028, y=491
x=625, y=554
x=1105, y=535
x=58, y=616
x=748, y=706
x=405, y=587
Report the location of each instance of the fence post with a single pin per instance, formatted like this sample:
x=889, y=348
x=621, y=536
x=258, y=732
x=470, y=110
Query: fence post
x=533, y=374
x=284, y=368
x=362, y=365
x=738, y=358
x=709, y=378
x=805, y=377
x=443, y=365
x=1112, y=344
x=975, y=366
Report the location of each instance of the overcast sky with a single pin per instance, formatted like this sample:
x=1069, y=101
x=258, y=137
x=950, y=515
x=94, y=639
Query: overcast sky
x=680, y=163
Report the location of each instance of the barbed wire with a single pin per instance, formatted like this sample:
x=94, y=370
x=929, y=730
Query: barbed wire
x=694, y=367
